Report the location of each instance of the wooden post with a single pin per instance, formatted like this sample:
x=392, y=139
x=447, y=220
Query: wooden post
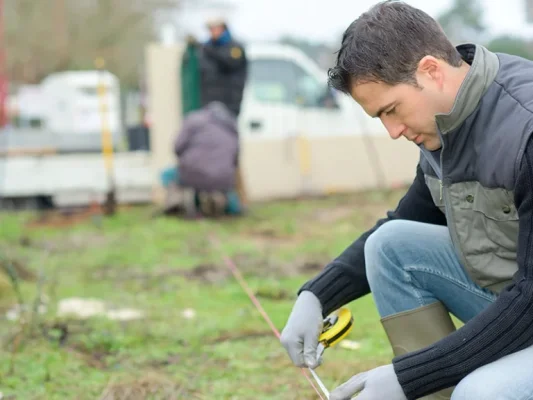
x=107, y=140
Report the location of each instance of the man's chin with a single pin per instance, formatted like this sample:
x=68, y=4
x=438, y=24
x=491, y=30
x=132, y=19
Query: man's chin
x=431, y=146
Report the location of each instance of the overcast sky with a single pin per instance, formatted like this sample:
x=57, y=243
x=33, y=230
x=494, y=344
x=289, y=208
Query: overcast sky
x=325, y=20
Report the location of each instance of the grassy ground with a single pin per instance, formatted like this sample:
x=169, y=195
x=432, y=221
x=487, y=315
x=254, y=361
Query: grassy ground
x=201, y=337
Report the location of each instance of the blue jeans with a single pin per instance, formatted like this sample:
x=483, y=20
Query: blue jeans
x=412, y=264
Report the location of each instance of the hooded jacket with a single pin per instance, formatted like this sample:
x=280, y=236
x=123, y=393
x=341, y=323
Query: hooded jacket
x=207, y=148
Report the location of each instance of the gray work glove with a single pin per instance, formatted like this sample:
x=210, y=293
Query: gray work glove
x=377, y=384
x=300, y=335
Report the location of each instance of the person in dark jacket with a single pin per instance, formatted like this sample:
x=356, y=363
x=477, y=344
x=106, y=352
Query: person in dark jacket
x=207, y=148
x=223, y=68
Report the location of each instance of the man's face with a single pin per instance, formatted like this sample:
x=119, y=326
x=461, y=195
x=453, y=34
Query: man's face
x=404, y=109
x=216, y=31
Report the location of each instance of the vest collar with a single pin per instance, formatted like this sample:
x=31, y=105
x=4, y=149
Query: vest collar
x=484, y=66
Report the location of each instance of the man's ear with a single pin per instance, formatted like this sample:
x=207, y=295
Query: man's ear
x=430, y=70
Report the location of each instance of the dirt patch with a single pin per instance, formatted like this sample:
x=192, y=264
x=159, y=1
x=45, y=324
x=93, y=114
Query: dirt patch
x=275, y=294
x=308, y=267
x=151, y=386
x=18, y=269
x=171, y=359
x=64, y=218
x=94, y=359
x=266, y=233
x=272, y=268
x=207, y=273
x=214, y=273
x=80, y=339
x=268, y=238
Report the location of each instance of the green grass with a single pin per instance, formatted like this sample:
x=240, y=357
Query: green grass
x=164, y=266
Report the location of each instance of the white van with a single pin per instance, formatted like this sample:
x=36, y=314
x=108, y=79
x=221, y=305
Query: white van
x=297, y=138
x=74, y=105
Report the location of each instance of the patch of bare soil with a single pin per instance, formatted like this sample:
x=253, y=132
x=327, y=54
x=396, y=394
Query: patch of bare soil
x=250, y=265
x=171, y=359
x=268, y=237
x=18, y=269
x=94, y=359
x=71, y=335
x=276, y=294
x=61, y=219
x=207, y=273
x=151, y=386
x=215, y=273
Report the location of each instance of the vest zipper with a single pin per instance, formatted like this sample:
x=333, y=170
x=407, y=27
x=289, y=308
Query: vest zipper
x=449, y=212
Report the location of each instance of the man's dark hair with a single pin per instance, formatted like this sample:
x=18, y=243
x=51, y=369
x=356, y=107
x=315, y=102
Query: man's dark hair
x=386, y=43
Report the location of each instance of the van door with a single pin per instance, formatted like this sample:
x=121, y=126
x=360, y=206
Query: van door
x=268, y=124
x=333, y=142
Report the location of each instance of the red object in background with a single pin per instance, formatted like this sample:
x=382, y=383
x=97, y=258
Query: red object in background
x=3, y=76
x=3, y=101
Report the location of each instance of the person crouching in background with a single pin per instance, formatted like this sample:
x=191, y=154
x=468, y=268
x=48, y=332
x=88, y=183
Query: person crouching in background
x=207, y=148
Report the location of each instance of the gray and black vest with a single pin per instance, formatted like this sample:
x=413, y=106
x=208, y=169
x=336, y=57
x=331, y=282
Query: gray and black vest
x=472, y=178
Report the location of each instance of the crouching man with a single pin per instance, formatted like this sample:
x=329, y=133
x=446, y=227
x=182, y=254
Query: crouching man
x=460, y=240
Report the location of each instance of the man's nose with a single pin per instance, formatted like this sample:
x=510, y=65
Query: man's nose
x=395, y=130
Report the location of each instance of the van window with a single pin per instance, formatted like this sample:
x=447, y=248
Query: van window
x=284, y=82
x=311, y=92
x=272, y=81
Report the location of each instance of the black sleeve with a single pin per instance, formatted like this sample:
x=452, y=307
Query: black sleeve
x=229, y=58
x=344, y=279
x=504, y=327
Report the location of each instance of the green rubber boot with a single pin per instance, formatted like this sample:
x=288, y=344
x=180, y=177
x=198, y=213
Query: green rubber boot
x=415, y=329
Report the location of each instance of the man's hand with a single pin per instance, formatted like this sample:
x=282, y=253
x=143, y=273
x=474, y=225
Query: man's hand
x=300, y=335
x=377, y=384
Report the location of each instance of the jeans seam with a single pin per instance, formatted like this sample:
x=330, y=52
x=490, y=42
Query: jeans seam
x=457, y=282
x=409, y=279
x=407, y=276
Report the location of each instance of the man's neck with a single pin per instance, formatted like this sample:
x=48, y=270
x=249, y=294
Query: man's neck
x=457, y=76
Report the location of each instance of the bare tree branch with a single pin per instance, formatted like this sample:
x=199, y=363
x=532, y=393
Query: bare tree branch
x=47, y=36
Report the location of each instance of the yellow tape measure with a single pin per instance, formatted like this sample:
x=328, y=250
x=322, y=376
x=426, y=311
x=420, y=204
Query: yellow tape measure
x=336, y=327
